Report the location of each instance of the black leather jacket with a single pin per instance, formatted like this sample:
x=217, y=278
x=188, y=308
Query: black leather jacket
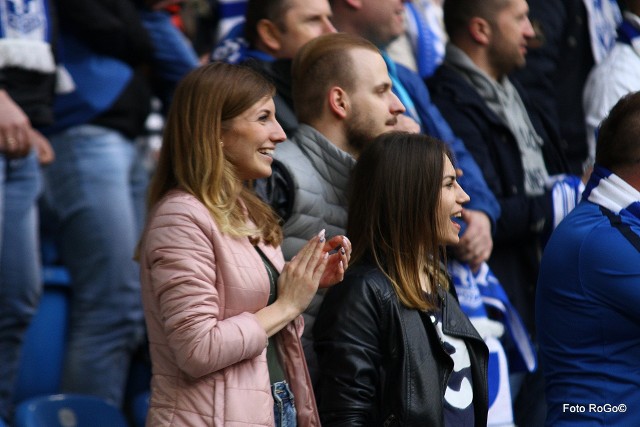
x=381, y=364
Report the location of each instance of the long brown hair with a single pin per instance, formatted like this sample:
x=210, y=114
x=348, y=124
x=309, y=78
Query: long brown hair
x=192, y=157
x=395, y=195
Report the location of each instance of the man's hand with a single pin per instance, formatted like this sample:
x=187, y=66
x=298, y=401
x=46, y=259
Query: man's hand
x=407, y=124
x=15, y=128
x=476, y=243
x=42, y=146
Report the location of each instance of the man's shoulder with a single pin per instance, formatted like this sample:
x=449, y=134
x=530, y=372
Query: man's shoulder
x=303, y=139
x=289, y=151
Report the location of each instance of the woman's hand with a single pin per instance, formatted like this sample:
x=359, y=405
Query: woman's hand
x=339, y=250
x=300, y=277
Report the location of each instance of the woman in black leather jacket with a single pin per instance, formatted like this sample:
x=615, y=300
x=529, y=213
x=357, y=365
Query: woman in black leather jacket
x=393, y=344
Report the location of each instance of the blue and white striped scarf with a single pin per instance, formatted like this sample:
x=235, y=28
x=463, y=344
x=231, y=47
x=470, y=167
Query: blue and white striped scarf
x=477, y=292
x=608, y=190
x=603, y=18
x=25, y=35
x=426, y=35
x=231, y=45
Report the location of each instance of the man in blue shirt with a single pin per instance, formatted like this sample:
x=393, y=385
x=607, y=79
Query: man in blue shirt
x=588, y=291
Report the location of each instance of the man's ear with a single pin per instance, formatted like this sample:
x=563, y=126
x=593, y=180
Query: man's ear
x=480, y=30
x=354, y=4
x=269, y=35
x=339, y=104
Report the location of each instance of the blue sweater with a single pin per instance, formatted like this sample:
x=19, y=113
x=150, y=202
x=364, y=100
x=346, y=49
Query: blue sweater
x=588, y=320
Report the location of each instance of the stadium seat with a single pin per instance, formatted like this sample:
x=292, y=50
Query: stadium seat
x=43, y=351
x=68, y=410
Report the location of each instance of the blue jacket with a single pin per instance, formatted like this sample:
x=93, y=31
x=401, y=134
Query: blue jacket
x=434, y=124
x=104, y=47
x=515, y=258
x=588, y=320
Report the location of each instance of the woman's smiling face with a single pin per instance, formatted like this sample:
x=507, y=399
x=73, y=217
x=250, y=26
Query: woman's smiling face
x=250, y=138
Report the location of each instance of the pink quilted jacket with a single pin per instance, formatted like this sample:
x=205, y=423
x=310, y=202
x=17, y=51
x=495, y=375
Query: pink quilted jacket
x=200, y=291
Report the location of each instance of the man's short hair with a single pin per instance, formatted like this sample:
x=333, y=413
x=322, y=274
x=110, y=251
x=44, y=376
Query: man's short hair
x=619, y=134
x=458, y=13
x=320, y=64
x=272, y=10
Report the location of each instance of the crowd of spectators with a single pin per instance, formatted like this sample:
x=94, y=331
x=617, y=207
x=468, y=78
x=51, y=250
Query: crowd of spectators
x=516, y=90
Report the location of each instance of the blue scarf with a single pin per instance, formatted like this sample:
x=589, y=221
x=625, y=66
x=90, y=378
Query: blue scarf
x=628, y=33
x=427, y=57
x=603, y=17
x=482, y=289
x=231, y=45
x=24, y=19
x=476, y=292
x=608, y=190
x=25, y=35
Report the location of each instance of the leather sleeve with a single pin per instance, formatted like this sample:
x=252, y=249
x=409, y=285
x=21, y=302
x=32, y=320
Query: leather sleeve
x=348, y=345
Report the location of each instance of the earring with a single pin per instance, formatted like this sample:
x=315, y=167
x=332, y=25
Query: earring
x=221, y=143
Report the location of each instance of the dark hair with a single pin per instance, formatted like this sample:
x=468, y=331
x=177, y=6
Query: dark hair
x=394, y=200
x=619, y=134
x=321, y=63
x=257, y=10
x=192, y=158
x=458, y=13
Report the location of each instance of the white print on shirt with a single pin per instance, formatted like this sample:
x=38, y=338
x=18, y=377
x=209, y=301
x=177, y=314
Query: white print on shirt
x=463, y=397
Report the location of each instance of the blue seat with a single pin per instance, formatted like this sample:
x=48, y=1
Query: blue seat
x=68, y=410
x=44, y=345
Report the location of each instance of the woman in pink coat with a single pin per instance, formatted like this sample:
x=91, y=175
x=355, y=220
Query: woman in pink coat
x=222, y=308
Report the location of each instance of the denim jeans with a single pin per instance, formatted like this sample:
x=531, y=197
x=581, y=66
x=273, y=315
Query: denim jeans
x=284, y=408
x=95, y=189
x=20, y=281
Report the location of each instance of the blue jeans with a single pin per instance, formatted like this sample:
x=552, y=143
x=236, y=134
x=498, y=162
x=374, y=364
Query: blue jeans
x=20, y=281
x=284, y=408
x=96, y=189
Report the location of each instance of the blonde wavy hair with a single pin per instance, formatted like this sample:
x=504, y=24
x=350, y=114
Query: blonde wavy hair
x=192, y=157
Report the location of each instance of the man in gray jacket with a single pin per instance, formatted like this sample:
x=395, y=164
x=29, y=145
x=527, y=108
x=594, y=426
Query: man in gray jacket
x=343, y=99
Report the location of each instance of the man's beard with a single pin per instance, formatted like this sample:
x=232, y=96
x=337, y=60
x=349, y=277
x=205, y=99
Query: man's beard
x=360, y=132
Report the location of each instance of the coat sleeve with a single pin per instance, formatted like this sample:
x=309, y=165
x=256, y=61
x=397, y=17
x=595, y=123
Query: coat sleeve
x=183, y=272
x=348, y=342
